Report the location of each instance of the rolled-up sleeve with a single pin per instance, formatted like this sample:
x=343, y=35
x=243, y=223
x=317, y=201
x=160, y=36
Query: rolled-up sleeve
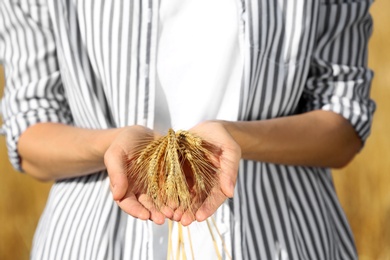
x=340, y=80
x=33, y=88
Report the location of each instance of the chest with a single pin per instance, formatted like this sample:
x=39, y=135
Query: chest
x=114, y=44
x=274, y=28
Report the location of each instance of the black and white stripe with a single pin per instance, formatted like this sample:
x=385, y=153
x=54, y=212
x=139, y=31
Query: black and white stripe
x=91, y=63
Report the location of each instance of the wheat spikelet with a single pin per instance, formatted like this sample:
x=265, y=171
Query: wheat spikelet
x=173, y=185
x=154, y=171
x=148, y=151
x=198, y=157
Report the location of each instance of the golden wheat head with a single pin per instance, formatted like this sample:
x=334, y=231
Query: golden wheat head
x=175, y=170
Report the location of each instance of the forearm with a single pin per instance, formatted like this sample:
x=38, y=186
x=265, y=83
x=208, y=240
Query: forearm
x=317, y=138
x=55, y=151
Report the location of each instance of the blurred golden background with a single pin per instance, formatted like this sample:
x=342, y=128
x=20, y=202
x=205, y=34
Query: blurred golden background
x=363, y=186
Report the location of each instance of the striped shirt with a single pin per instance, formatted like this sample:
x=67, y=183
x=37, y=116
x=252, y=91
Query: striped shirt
x=91, y=63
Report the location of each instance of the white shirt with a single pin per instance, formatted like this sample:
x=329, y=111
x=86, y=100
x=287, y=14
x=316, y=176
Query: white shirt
x=199, y=65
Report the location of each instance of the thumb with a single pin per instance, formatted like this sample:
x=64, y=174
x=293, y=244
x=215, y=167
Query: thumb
x=115, y=163
x=227, y=184
x=228, y=175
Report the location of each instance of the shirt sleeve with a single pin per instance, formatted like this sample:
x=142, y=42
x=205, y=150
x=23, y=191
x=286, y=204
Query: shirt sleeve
x=339, y=79
x=33, y=88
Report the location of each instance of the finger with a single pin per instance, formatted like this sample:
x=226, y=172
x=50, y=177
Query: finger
x=228, y=175
x=211, y=204
x=187, y=218
x=178, y=214
x=228, y=182
x=167, y=211
x=114, y=160
x=174, y=205
x=133, y=207
x=155, y=215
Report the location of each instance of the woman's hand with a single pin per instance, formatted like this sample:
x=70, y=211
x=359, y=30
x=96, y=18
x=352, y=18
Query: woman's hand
x=227, y=159
x=127, y=142
x=132, y=139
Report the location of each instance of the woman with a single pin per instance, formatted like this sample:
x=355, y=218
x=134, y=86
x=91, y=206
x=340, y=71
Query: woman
x=281, y=87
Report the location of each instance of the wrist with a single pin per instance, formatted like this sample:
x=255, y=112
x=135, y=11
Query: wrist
x=241, y=132
x=98, y=142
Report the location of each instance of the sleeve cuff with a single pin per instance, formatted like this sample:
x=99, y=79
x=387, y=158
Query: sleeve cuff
x=14, y=126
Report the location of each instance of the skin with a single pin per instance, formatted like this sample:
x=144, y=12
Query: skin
x=317, y=138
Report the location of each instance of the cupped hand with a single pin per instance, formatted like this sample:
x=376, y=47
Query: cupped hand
x=129, y=141
x=228, y=158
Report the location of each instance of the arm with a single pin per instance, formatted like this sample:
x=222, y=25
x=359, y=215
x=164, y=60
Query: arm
x=51, y=151
x=36, y=115
x=337, y=109
x=33, y=89
x=317, y=138
x=66, y=151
